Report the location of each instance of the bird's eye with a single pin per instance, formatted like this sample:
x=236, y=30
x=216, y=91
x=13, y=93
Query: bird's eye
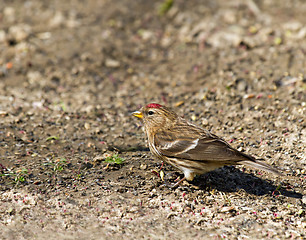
x=150, y=113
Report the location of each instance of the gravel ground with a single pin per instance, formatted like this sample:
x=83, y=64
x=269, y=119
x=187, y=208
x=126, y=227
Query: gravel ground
x=75, y=165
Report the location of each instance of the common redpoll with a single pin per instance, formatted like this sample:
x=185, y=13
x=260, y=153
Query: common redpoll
x=188, y=147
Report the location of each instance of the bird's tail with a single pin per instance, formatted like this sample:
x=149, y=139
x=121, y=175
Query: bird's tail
x=261, y=165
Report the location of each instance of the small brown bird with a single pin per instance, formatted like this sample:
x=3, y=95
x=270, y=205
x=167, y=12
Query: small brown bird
x=188, y=147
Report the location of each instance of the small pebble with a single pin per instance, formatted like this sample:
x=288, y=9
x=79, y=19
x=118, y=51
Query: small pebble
x=204, y=122
x=111, y=63
x=143, y=166
x=193, y=117
x=86, y=126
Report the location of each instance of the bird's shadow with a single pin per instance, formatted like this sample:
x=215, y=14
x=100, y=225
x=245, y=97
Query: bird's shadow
x=128, y=148
x=231, y=179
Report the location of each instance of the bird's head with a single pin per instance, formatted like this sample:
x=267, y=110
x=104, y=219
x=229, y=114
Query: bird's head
x=156, y=116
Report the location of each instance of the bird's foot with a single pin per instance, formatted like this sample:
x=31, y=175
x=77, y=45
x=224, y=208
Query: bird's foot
x=172, y=185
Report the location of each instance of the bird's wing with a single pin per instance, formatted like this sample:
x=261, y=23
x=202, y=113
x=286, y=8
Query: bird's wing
x=196, y=144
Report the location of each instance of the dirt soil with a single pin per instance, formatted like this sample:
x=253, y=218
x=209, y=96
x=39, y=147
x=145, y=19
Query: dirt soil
x=71, y=72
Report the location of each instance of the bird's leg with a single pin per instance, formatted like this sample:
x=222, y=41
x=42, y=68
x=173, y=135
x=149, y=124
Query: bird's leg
x=172, y=185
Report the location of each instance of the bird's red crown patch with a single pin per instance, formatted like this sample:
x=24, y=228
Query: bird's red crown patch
x=154, y=105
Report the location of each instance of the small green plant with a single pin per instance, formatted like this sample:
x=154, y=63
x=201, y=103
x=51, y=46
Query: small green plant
x=276, y=191
x=165, y=7
x=63, y=106
x=58, y=165
x=78, y=176
x=60, y=105
x=18, y=175
x=52, y=138
x=114, y=159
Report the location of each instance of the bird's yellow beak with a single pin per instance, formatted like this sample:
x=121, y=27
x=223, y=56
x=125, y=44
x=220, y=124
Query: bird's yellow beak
x=137, y=114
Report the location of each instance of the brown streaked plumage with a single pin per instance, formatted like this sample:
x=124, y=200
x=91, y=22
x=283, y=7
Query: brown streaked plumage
x=188, y=147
